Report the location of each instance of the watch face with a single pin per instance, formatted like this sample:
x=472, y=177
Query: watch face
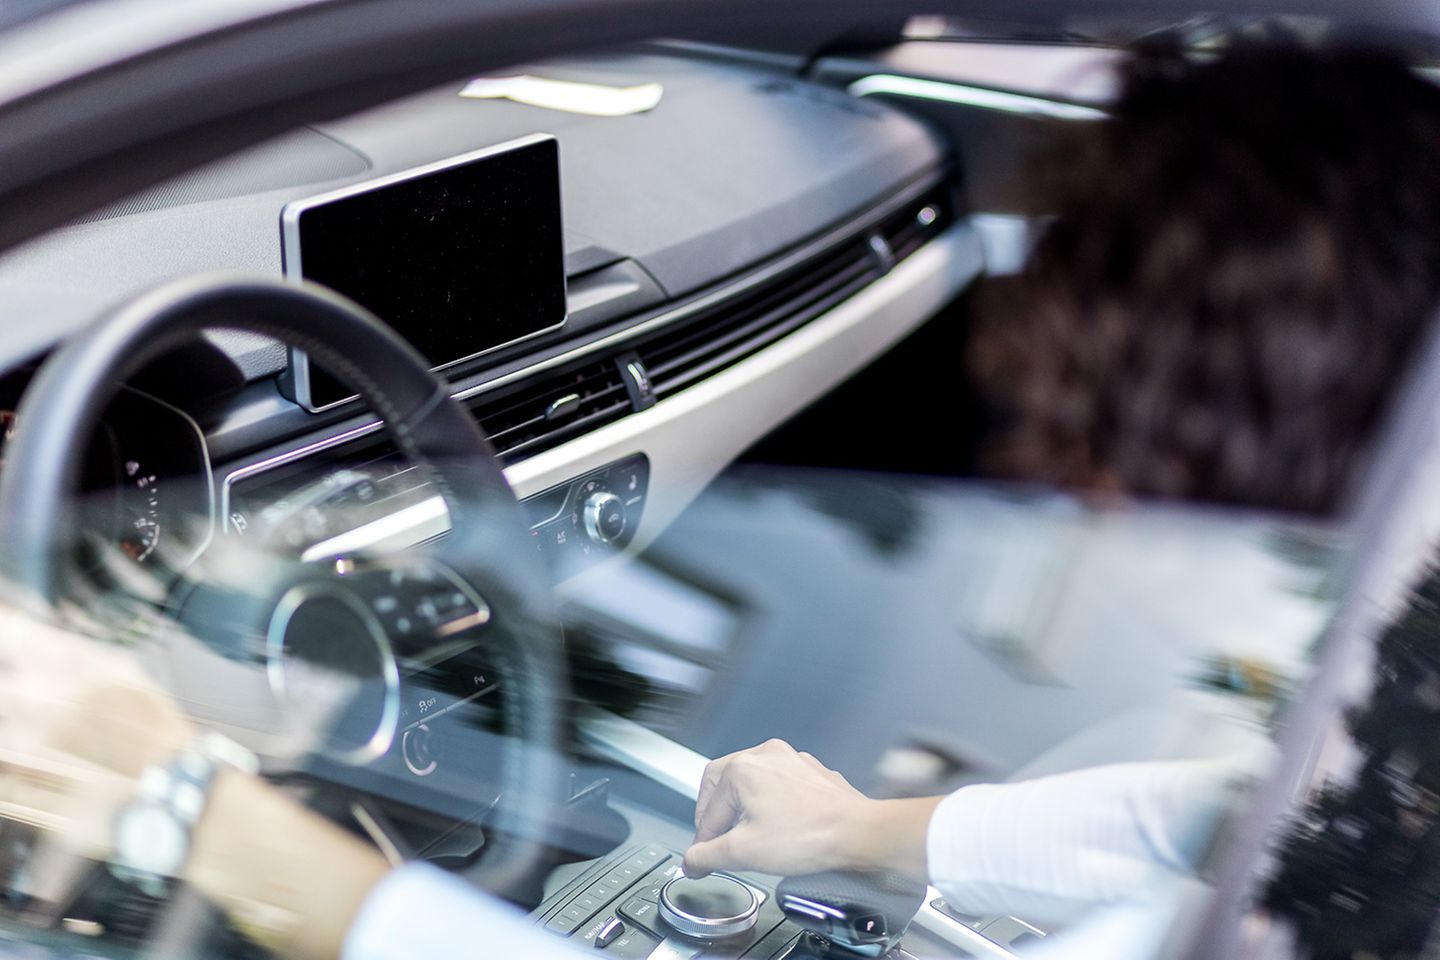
x=149, y=839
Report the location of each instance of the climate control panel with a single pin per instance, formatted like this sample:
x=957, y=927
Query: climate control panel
x=585, y=519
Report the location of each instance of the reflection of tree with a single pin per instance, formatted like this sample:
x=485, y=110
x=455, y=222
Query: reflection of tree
x=1359, y=875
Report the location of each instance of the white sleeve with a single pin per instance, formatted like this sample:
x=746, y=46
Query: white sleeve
x=1049, y=850
x=422, y=911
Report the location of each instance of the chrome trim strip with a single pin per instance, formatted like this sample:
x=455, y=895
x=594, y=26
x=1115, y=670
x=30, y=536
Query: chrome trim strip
x=290, y=244
x=290, y=456
x=403, y=528
x=970, y=96
x=657, y=757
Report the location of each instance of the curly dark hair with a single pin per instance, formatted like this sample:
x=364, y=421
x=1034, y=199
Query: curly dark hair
x=1241, y=259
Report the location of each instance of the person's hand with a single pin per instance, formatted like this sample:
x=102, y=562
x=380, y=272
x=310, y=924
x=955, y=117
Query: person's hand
x=79, y=721
x=775, y=810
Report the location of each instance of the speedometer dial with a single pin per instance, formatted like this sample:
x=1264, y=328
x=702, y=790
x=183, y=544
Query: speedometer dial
x=140, y=512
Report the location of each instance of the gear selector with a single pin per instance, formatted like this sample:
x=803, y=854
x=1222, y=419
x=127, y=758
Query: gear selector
x=851, y=914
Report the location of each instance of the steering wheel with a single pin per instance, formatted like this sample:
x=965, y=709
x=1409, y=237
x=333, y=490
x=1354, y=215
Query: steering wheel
x=488, y=548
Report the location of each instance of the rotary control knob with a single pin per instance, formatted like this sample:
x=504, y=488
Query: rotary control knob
x=604, y=515
x=708, y=908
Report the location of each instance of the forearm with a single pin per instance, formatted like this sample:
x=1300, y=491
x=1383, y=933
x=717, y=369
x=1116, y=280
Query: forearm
x=288, y=877
x=891, y=836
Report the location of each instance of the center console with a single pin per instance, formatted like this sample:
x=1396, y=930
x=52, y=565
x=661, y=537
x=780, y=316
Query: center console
x=637, y=904
x=618, y=903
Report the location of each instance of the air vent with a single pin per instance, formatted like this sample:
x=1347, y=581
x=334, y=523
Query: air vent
x=681, y=355
x=551, y=408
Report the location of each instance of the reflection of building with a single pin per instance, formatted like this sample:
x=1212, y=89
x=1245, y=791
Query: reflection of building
x=851, y=613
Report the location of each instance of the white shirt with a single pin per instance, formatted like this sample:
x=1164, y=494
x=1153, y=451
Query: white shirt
x=1054, y=850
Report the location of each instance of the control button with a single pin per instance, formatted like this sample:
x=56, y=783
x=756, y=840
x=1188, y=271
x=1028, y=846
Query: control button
x=563, y=407
x=974, y=923
x=642, y=861
x=419, y=751
x=604, y=517
x=587, y=902
x=613, y=928
x=632, y=945
x=637, y=380
x=656, y=881
x=708, y=908
x=1010, y=930
x=578, y=913
x=561, y=924
x=593, y=928
x=773, y=944
x=641, y=911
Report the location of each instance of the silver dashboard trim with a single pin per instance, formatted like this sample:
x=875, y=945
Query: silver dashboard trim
x=676, y=315
x=657, y=757
x=290, y=244
x=925, y=268
x=403, y=528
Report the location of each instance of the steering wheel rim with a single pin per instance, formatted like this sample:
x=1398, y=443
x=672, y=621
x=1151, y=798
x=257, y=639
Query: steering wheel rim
x=64, y=401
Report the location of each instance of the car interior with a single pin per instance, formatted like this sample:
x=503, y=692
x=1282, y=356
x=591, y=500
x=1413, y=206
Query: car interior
x=702, y=472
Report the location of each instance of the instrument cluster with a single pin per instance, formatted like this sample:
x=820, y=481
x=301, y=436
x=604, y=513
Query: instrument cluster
x=145, y=493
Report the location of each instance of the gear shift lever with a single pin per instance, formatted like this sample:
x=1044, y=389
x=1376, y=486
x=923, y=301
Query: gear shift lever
x=856, y=914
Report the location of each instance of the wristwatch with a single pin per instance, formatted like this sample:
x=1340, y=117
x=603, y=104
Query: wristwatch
x=153, y=833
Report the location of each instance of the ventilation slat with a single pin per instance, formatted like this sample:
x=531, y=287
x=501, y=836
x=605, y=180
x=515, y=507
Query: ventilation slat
x=846, y=280
x=516, y=422
x=744, y=349
x=778, y=302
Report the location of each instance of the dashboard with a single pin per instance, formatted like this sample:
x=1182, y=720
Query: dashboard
x=674, y=286
x=691, y=261
x=146, y=492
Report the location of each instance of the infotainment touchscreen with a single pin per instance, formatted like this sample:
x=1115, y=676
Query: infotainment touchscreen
x=459, y=257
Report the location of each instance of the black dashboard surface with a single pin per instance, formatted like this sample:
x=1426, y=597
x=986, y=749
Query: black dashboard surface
x=733, y=166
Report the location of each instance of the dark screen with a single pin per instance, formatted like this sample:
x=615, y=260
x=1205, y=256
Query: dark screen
x=458, y=261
